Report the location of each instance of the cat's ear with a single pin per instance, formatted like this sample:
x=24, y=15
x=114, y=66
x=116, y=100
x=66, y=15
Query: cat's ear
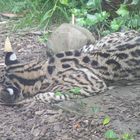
x=10, y=56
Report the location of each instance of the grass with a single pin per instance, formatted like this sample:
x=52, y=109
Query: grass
x=36, y=13
x=90, y=14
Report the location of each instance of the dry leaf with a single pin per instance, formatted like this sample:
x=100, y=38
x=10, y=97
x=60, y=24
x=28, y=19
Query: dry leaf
x=11, y=15
x=7, y=46
x=77, y=125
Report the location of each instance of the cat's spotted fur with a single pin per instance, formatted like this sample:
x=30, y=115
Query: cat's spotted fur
x=58, y=78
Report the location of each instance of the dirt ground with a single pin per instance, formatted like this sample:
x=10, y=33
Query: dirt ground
x=72, y=120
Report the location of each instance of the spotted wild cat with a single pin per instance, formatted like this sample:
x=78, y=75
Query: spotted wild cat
x=88, y=72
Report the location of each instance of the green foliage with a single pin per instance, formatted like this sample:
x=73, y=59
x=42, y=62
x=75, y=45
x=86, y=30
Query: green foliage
x=95, y=17
x=127, y=136
x=58, y=93
x=111, y=135
x=95, y=109
x=122, y=11
x=75, y=90
x=91, y=14
x=106, y=120
x=37, y=13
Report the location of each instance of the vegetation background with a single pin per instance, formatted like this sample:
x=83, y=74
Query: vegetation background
x=101, y=16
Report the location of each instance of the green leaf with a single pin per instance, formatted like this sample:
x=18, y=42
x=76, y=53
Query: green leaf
x=95, y=109
x=111, y=135
x=96, y=18
x=79, y=12
x=81, y=21
x=75, y=90
x=64, y=2
x=116, y=24
x=58, y=93
x=122, y=11
x=106, y=120
x=92, y=19
x=127, y=136
x=94, y=4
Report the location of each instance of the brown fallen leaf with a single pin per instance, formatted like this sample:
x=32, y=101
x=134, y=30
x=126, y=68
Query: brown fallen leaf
x=77, y=125
x=7, y=46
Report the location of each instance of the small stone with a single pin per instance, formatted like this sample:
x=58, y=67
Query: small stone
x=57, y=127
x=39, y=112
x=36, y=132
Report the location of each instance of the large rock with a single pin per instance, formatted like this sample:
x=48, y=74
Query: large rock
x=68, y=37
